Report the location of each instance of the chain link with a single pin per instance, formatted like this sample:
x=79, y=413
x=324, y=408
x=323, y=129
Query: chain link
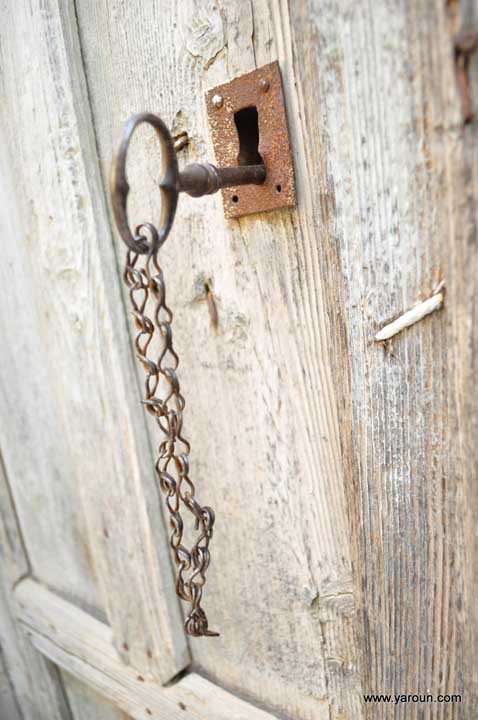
x=172, y=466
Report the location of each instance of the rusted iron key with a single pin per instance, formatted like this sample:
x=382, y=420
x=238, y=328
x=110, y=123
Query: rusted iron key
x=144, y=279
x=197, y=179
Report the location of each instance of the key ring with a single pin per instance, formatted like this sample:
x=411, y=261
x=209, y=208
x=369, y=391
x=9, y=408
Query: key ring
x=169, y=185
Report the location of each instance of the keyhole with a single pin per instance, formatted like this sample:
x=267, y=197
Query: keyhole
x=247, y=126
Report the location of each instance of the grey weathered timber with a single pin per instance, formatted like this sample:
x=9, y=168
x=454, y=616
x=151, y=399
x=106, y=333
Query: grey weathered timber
x=32, y=687
x=37, y=692
x=71, y=427
x=82, y=645
x=86, y=704
x=261, y=409
x=317, y=447
x=395, y=172
x=8, y=703
x=342, y=470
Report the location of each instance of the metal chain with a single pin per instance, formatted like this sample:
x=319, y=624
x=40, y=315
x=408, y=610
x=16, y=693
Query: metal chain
x=172, y=465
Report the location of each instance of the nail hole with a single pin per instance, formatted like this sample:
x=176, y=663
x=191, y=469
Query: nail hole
x=125, y=647
x=182, y=705
x=279, y=188
x=149, y=711
x=235, y=199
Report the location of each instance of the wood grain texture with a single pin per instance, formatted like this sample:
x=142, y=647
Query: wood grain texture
x=86, y=704
x=464, y=15
x=261, y=412
x=83, y=646
x=318, y=448
x=36, y=689
x=386, y=183
x=8, y=703
x=9, y=706
x=71, y=425
x=395, y=173
x=33, y=689
x=45, y=493
x=36, y=692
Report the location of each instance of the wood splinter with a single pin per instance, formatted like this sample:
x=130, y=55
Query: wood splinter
x=412, y=316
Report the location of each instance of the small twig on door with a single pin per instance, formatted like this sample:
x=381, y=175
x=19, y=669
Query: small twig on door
x=412, y=316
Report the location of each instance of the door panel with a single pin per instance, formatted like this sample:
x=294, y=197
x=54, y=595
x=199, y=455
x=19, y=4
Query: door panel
x=261, y=410
x=38, y=690
x=320, y=449
x=87, y=502
x=32, y=422
x=393, y=161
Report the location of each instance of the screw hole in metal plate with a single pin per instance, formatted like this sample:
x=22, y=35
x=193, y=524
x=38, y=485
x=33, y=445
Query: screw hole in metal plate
x=235, y=199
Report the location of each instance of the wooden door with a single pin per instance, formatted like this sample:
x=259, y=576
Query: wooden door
x=342, y=470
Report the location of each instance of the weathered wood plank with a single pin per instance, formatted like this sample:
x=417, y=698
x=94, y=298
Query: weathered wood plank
x=30, y=421
x=9, y=707
x=83, y=646
x=459, y=157
x=35, y=681
x=273, y=335
x=261, y=410
x=37, y=687
x=387, y=208
x=395, y=174
x=387, y=177
x=34, y=690
x=71, y=401
x=86, y=704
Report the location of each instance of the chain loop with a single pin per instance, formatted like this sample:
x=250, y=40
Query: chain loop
x=172, y=465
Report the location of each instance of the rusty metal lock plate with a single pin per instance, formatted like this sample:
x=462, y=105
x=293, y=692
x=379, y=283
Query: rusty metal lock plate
x=249, y=126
